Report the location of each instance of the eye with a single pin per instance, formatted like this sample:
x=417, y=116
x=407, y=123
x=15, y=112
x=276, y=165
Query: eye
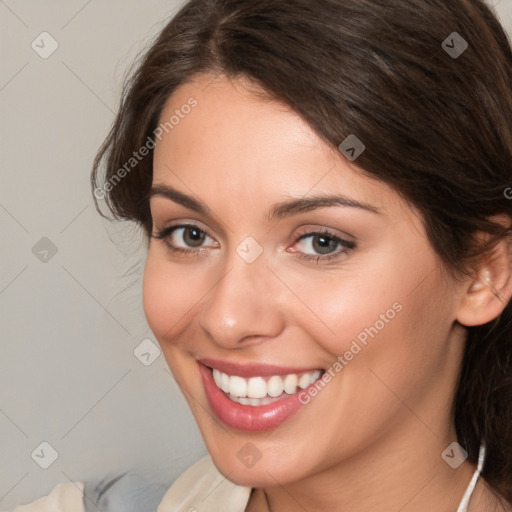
x=322, y=246
x=184, y=238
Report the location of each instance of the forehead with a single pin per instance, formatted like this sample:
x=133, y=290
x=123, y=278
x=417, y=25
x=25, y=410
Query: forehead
x=233, y=142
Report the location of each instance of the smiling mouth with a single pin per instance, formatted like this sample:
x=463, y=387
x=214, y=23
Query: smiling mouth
x=263, y=390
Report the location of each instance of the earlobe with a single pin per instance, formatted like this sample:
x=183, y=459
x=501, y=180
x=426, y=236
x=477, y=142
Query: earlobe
x=488, y=294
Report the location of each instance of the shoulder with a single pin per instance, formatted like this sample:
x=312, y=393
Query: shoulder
x=203, y=488
x=66, y=497
x=126, y=492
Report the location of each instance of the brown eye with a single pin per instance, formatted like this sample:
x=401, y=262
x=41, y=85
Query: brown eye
x=193, y=237
x=323, y=247
x=324, y=244
x=320, y=243
x=185, y=238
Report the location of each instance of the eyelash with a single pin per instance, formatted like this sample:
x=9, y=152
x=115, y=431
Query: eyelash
x=347, y=245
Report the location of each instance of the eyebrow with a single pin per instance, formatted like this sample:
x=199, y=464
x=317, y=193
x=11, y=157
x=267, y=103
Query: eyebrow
x=278, y=211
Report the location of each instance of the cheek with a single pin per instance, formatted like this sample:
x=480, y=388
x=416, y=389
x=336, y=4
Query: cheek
x=391, y=315
x=340, y=306
x=398, y=345
x=169, y=295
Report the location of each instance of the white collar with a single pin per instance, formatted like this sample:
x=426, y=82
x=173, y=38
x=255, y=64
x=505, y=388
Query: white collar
x=463, y=507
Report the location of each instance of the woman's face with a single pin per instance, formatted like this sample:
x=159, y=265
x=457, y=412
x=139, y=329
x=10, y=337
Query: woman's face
x=349, y=287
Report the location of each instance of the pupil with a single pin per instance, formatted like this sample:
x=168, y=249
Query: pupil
x=194, y=236
x=325, y=244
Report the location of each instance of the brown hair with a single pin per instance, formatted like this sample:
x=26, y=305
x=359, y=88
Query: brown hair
x=437, y=126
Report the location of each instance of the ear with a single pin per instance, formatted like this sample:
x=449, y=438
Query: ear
x=487, y=295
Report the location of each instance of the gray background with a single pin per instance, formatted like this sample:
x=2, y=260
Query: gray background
x=72, y=320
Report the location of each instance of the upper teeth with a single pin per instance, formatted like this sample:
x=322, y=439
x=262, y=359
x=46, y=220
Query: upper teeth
x=258, y=387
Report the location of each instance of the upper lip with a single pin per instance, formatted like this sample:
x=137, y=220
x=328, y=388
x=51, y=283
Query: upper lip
x=252, y=370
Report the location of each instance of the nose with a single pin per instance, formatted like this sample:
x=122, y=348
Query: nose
x=244, y=305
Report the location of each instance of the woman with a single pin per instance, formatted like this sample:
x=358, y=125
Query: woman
x=325, y=192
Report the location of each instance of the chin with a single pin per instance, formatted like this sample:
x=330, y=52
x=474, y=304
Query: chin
x=264, y=472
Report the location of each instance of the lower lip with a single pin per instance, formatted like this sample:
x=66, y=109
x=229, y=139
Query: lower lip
x=247, y=417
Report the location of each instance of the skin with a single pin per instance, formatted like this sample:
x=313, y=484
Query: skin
x=372, y=439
